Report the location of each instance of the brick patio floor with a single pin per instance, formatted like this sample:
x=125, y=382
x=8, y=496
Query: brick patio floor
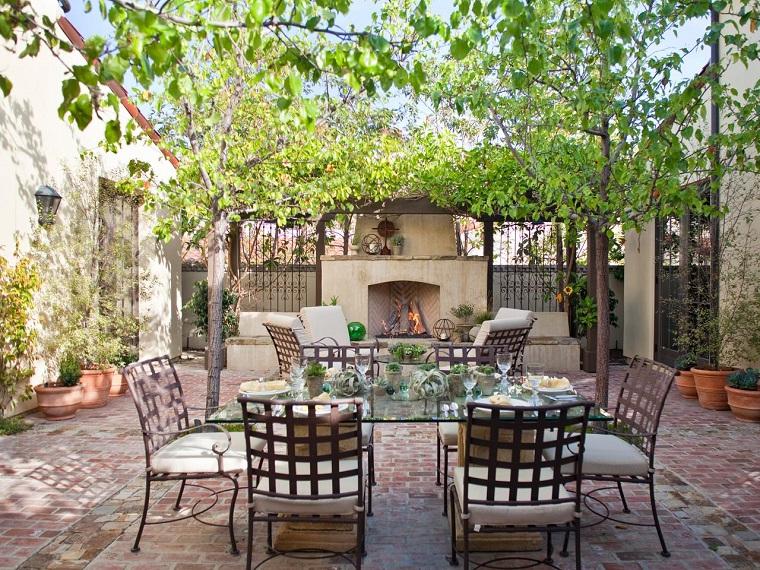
x=71, y=492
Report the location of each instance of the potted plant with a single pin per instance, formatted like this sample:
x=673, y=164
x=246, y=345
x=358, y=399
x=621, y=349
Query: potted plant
x=62, y=399
x=480, y=318
x=407, y=352
x=198, y=304
x=743, y=395
x=486, y=377
x=685, y=378
x=463, y=312
x=397, y=243
x=393, y=375
x=315, y=377
x=96, y=350
x=127, y=355
x=355, y=244
x=456, y=386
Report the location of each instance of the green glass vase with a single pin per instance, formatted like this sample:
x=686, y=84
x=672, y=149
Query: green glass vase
x=356, y=331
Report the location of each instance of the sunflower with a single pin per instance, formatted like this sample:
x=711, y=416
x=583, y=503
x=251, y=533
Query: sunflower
x=568, y=290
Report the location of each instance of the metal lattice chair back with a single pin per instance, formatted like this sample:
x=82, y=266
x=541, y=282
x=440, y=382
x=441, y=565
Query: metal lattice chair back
x=286, y=345
x=338, y=356
x=157, y=394
x=509, y=340
x=297, y=449
x=641, y=400
x=505, y=455
x=496, y=342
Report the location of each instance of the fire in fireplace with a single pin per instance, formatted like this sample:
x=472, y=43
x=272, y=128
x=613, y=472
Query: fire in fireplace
x=403, y=309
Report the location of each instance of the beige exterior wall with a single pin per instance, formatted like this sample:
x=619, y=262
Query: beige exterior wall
x=638, y=293
x=424, y=234
x=37, y=147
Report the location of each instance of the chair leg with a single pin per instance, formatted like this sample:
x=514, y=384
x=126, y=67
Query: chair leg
x=466, y=543
x=249, y=549
x=369, y=497
x=371, y=462
x=359, y=542
x=453, y=524
x=269, y=537
x=665, y=552
x=445, y=477
x=136, y=546
x=179, y=496
x=622, y=497
x=577, y=545
x=233, y=543
x=438, y=461
x=565, y=543
x=549, y=547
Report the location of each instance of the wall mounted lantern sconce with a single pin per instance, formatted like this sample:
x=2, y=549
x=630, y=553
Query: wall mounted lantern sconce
x=48, y=201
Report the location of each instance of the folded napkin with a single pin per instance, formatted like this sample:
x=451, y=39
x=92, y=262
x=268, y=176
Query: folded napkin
x=500, y=400
x=266, y=386
x=555, y=383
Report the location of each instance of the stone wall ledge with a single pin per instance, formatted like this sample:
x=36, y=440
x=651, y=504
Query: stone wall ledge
x=403, y=258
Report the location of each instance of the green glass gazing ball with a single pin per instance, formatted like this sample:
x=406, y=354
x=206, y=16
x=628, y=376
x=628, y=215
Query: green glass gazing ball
x=356, y=331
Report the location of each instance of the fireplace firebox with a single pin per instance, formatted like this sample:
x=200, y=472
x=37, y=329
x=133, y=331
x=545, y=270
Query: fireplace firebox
x=403, y=309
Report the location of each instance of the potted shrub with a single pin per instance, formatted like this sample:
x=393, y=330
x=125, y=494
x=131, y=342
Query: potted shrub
x=198, y=304
x=397, y=243
x=463, y=312
x=393, y=375
x=743, y=395
x=126, y=356
x=685, y=378
x=61, y=400
x=315, y=377
x=456, y=386
x=486, y=377
x=407, y=352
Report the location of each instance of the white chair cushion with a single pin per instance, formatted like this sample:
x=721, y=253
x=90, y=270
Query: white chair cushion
x=328, y=321
x=507, y=313
x=449, y=432
x=606, y=454
x=501, y=325
x=193, y=453
x=326, y=506
x=290, y=322
x=513, y=515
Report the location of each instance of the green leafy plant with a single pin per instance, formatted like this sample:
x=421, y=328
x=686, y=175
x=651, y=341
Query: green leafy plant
x=397, y=240
x=744, y=379
x=407, y=351
x=483, y=316
x=463, y=311
x=126, y=355
x=198, y=304
x=686, y=361
x=333, y=302
x=393, y=368
x=14, y=425
x=18, y=283
x=427, y=366
x=486, y=369
x=316, y=370
x=69, y=371
x=459, y=369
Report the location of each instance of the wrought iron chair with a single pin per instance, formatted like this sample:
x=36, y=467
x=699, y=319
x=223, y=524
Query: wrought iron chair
x=174, y=450
x=507, y=485
x=625, y=452
x=502, y=335
x=290, y=340
x=323, y=481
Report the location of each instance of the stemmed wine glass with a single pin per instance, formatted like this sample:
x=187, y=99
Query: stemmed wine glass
x=361, y=363
x=468, y=380
x=297, y=375
x=535, y=375
x=504, y=362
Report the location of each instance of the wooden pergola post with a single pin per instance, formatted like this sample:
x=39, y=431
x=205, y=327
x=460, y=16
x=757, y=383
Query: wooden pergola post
x=488, y=252
x=320, y=251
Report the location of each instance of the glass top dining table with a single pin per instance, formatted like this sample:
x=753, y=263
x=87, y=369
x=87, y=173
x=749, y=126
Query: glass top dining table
x=379, y=406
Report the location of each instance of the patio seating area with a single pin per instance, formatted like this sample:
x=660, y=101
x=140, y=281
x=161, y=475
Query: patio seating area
x=76, y=502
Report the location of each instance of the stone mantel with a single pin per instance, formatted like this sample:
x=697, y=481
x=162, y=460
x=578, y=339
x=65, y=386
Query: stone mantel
x=461, y=279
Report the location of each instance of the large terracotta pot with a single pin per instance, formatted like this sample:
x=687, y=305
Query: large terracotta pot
x=59, y=402
x=97, y=386
x=745, y=404
x=118, y=385
x=710, y=386
x=685, y=384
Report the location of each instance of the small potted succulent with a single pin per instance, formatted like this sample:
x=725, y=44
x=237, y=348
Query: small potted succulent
x=456, y=386
x=61, y=400
x=685, y=378
x=407, y=352
x=315, y=377
x=393, y=375
x=397, y=243
x=743, y=395
x=486, y=377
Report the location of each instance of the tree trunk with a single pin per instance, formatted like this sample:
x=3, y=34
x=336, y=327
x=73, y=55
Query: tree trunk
x=217, y=271
x=602, y=318
x=589, y=356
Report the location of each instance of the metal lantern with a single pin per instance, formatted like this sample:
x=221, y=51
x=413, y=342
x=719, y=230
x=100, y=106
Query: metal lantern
x=48, y=201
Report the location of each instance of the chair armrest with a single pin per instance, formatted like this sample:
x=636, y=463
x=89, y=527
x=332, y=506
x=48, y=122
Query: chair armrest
x=623, y=434
x=439, y=345
x=215, y=448
x=320, y=342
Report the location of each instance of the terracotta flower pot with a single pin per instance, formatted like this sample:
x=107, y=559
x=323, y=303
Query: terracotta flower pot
x=97, y=386
x=685, y=384
x=745, y=404
x=59, y=402
x=710, y=386
x=118, y=385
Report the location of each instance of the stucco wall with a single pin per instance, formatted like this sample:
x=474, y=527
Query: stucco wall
x=638, y=293
x=424, y=234
x=37, y=147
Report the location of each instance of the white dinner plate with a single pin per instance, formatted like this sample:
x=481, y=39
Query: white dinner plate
x=265, y=393
x=515, y=402
x=554, y=390
x=321, y=410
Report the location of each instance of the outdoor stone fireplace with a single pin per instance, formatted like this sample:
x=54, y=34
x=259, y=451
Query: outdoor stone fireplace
x=402, y=309
x=372, y=289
